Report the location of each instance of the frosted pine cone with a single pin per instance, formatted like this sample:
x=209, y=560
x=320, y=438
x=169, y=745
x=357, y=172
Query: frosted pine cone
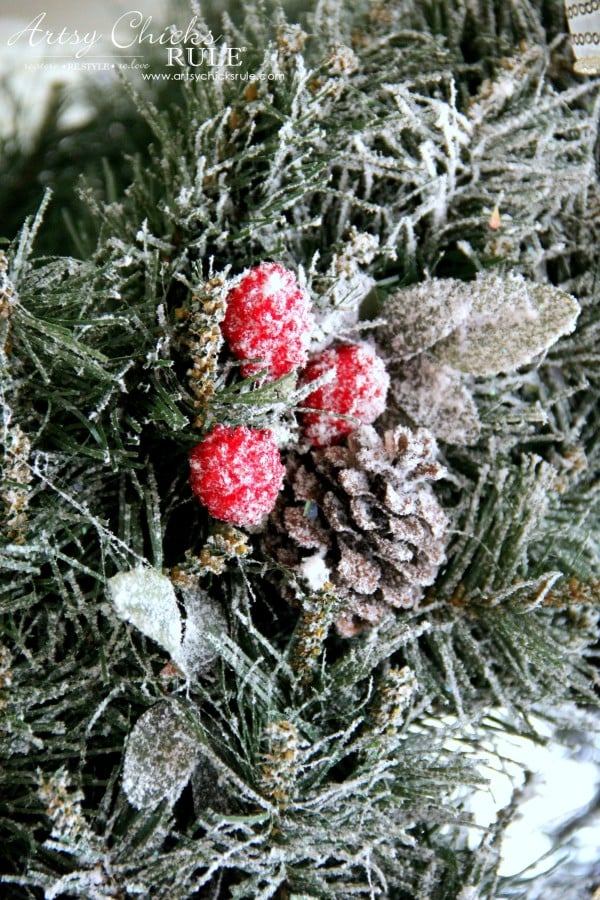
x=364, y=515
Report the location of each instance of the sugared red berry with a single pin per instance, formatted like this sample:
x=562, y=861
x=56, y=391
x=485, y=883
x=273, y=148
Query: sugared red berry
x=268, y=319
x=357, y=390
x=237, y=473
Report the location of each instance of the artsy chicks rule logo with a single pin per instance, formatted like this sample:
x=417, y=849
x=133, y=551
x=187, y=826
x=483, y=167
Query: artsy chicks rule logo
x=132, y=33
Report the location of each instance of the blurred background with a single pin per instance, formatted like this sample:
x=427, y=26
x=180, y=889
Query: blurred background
x=67, y=22
x=54, y=121
x=76, y=14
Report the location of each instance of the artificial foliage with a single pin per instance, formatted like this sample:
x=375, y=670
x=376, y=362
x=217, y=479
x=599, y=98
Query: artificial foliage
x=193, y=705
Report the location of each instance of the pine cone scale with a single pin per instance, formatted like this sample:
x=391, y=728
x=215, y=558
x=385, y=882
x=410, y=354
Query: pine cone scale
x=356, y=571
x=305, y=532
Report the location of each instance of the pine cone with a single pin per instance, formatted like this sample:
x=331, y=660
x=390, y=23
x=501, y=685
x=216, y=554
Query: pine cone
x=365, y=511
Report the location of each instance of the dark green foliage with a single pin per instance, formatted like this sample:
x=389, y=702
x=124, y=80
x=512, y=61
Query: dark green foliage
x=324, y=765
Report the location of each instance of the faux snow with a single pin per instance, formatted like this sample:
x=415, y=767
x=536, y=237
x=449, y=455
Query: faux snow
x=315, y=572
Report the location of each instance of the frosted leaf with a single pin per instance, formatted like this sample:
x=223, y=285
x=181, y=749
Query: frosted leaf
x=203, y=616
x=511, y=322
x=435, y=397
x=344, y=298
x=146, y=598
x=210, y=788
x=418, y=317
x=160, y=757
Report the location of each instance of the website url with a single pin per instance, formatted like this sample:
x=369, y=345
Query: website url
x=213, y=76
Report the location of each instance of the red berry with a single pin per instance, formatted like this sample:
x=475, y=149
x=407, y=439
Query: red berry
x=357, y=390
x=237, y=473
x=268, y=318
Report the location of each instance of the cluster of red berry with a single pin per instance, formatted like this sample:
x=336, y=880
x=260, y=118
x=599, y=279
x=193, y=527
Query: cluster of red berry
x=237, y=472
